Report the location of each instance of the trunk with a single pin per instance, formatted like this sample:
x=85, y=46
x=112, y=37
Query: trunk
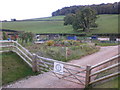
x=86, y=29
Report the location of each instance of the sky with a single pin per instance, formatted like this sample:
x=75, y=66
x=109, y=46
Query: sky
x=26, y=9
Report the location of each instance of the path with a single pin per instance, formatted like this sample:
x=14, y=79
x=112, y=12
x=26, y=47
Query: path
x=46, y=80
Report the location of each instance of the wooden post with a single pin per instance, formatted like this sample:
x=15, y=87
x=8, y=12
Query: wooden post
x=66, y=52
x=88, y=71
x=34, y=63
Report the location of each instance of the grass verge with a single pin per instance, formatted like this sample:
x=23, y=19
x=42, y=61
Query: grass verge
x=14, y=68
x=113, y=83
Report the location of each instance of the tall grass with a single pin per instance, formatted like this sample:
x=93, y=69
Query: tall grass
x=14, y=68
x=59, y=53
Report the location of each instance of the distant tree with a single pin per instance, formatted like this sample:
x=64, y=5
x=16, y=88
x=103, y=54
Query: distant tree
x=26, y=37
x=13, y=19
x=69, y=19
x=85, y=19
x=4, y=36
x=109, y=8
x=82, y=19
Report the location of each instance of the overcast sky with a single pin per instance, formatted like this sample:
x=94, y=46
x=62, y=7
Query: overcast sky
x=25, y=9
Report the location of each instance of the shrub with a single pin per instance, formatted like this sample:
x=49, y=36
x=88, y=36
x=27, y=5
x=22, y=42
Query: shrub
x=50, y=43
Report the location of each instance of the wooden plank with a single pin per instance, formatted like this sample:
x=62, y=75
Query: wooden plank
x=74, y=74
x=24, y=49
x=88, y=71
x=23, y=53
x=82, y=71
x=6, y=46
x=34, y=63
x=45, y=62
x=106, y=61
x=4, y=51
x=72, y=77
x=105, y=77
x=60, y=62
x=22, y=58
x=102, y=70
x=43, y=65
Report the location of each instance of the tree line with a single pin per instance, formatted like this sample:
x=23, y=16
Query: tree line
x=109, y=8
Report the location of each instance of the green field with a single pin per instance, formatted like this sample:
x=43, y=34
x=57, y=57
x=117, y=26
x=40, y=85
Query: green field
x=48, y=18
x=13, y=68
x=107, y=24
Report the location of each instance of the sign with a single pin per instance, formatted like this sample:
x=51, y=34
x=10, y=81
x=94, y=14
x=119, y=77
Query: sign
x=58, y=68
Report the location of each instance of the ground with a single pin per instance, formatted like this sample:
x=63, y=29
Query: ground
x=47, y=80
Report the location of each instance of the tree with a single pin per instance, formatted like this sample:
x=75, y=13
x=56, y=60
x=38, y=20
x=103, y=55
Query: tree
x=82, y=19
x=4, y=36
x=109, y=8
x=26, y=37
x=68, y=20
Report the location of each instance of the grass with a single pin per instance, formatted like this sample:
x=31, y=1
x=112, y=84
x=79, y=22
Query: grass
x=13, y=68
x=105, y=43
x=107, y=24
x=114, y=83
x=48, y=18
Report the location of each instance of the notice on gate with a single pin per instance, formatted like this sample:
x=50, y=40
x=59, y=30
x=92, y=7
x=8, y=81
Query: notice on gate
x=58, y=68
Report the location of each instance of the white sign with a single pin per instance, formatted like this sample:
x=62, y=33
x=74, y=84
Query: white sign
x=58, y=68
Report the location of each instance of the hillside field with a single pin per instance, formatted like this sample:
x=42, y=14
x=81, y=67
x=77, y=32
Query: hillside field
x=106, y=24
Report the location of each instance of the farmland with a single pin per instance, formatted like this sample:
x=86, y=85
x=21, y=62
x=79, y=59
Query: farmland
x=106, y=24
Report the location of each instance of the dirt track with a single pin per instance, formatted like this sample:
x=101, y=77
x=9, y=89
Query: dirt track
x=47, y=81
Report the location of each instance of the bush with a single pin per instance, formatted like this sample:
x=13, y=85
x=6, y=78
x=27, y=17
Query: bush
x=50, y=43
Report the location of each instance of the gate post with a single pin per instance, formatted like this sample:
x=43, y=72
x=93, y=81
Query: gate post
x=88, y=71
x=34, y=63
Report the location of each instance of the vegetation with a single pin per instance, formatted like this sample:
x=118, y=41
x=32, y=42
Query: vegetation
x=107, y=24
x=105, y=43
x=84, y=19
x=114, y=83
x=26, y=37
x=13, y=68
x=101, y=9
x=64, y=50
x=4, y=36
x=55, y=18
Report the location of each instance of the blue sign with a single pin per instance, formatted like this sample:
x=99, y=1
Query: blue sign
x=72, y=37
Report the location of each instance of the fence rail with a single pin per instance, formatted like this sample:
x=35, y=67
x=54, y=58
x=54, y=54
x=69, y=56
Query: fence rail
x=106, y=65
x=74, y=73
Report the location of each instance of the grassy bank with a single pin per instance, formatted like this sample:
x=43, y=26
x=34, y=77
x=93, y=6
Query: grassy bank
x=114, y=83
x=13, y=68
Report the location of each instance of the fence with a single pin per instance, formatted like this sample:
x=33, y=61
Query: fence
x=103, y=70
x=78, y=74
x=17, y=48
